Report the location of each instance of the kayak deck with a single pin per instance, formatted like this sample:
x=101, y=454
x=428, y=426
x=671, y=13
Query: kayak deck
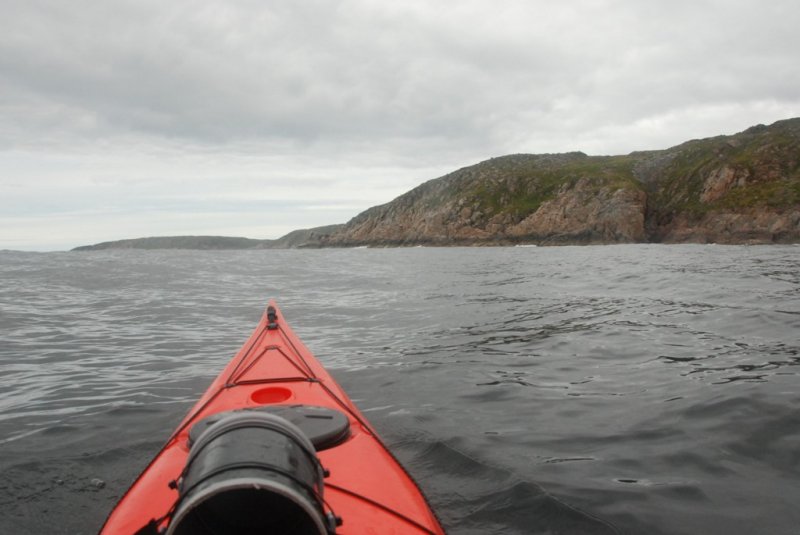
x=367, y=488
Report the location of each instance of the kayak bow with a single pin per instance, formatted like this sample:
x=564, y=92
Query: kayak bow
x=273, y=446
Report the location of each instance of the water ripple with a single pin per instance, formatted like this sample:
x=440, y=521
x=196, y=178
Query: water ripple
x=621, y=389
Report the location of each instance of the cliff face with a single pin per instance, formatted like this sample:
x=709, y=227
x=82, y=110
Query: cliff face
x=586, y=213
x=728, y=189
x=559, y=198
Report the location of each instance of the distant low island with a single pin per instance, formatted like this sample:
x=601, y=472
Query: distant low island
x=737, y=189
x=293, y=240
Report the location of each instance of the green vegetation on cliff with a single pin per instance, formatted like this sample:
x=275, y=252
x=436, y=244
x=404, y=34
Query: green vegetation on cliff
x=518, y=185
x=763, y=163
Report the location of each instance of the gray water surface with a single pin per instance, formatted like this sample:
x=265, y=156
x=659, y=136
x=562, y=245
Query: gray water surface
x=639, y=389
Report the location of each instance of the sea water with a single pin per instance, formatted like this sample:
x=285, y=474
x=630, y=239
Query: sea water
x=636, y=389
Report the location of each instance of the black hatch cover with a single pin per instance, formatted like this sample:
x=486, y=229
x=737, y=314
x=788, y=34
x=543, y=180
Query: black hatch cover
x=323, y=426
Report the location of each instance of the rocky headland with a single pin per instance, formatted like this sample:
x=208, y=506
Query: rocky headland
x=743, y=188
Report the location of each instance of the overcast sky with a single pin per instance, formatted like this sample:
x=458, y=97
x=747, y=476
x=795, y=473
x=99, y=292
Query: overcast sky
x=122, y=119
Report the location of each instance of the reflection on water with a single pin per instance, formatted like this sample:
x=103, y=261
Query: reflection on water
x=620, y=389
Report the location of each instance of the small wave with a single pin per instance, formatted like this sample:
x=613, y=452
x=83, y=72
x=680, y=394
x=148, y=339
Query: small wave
x=482, y=498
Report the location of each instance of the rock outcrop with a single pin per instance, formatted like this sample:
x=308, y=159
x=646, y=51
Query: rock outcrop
x=550, y=198
x=301, y=239
x=729, y=189
x=584, y=213
x=751, y=226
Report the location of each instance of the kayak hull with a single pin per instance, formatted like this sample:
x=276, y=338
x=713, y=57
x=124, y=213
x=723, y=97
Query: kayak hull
x=366, y=487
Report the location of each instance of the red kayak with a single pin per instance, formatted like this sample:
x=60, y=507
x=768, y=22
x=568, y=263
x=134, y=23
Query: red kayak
x=274, y=446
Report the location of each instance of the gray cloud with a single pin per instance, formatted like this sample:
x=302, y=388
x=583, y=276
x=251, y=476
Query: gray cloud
x=381, y=89
x=306, y=71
